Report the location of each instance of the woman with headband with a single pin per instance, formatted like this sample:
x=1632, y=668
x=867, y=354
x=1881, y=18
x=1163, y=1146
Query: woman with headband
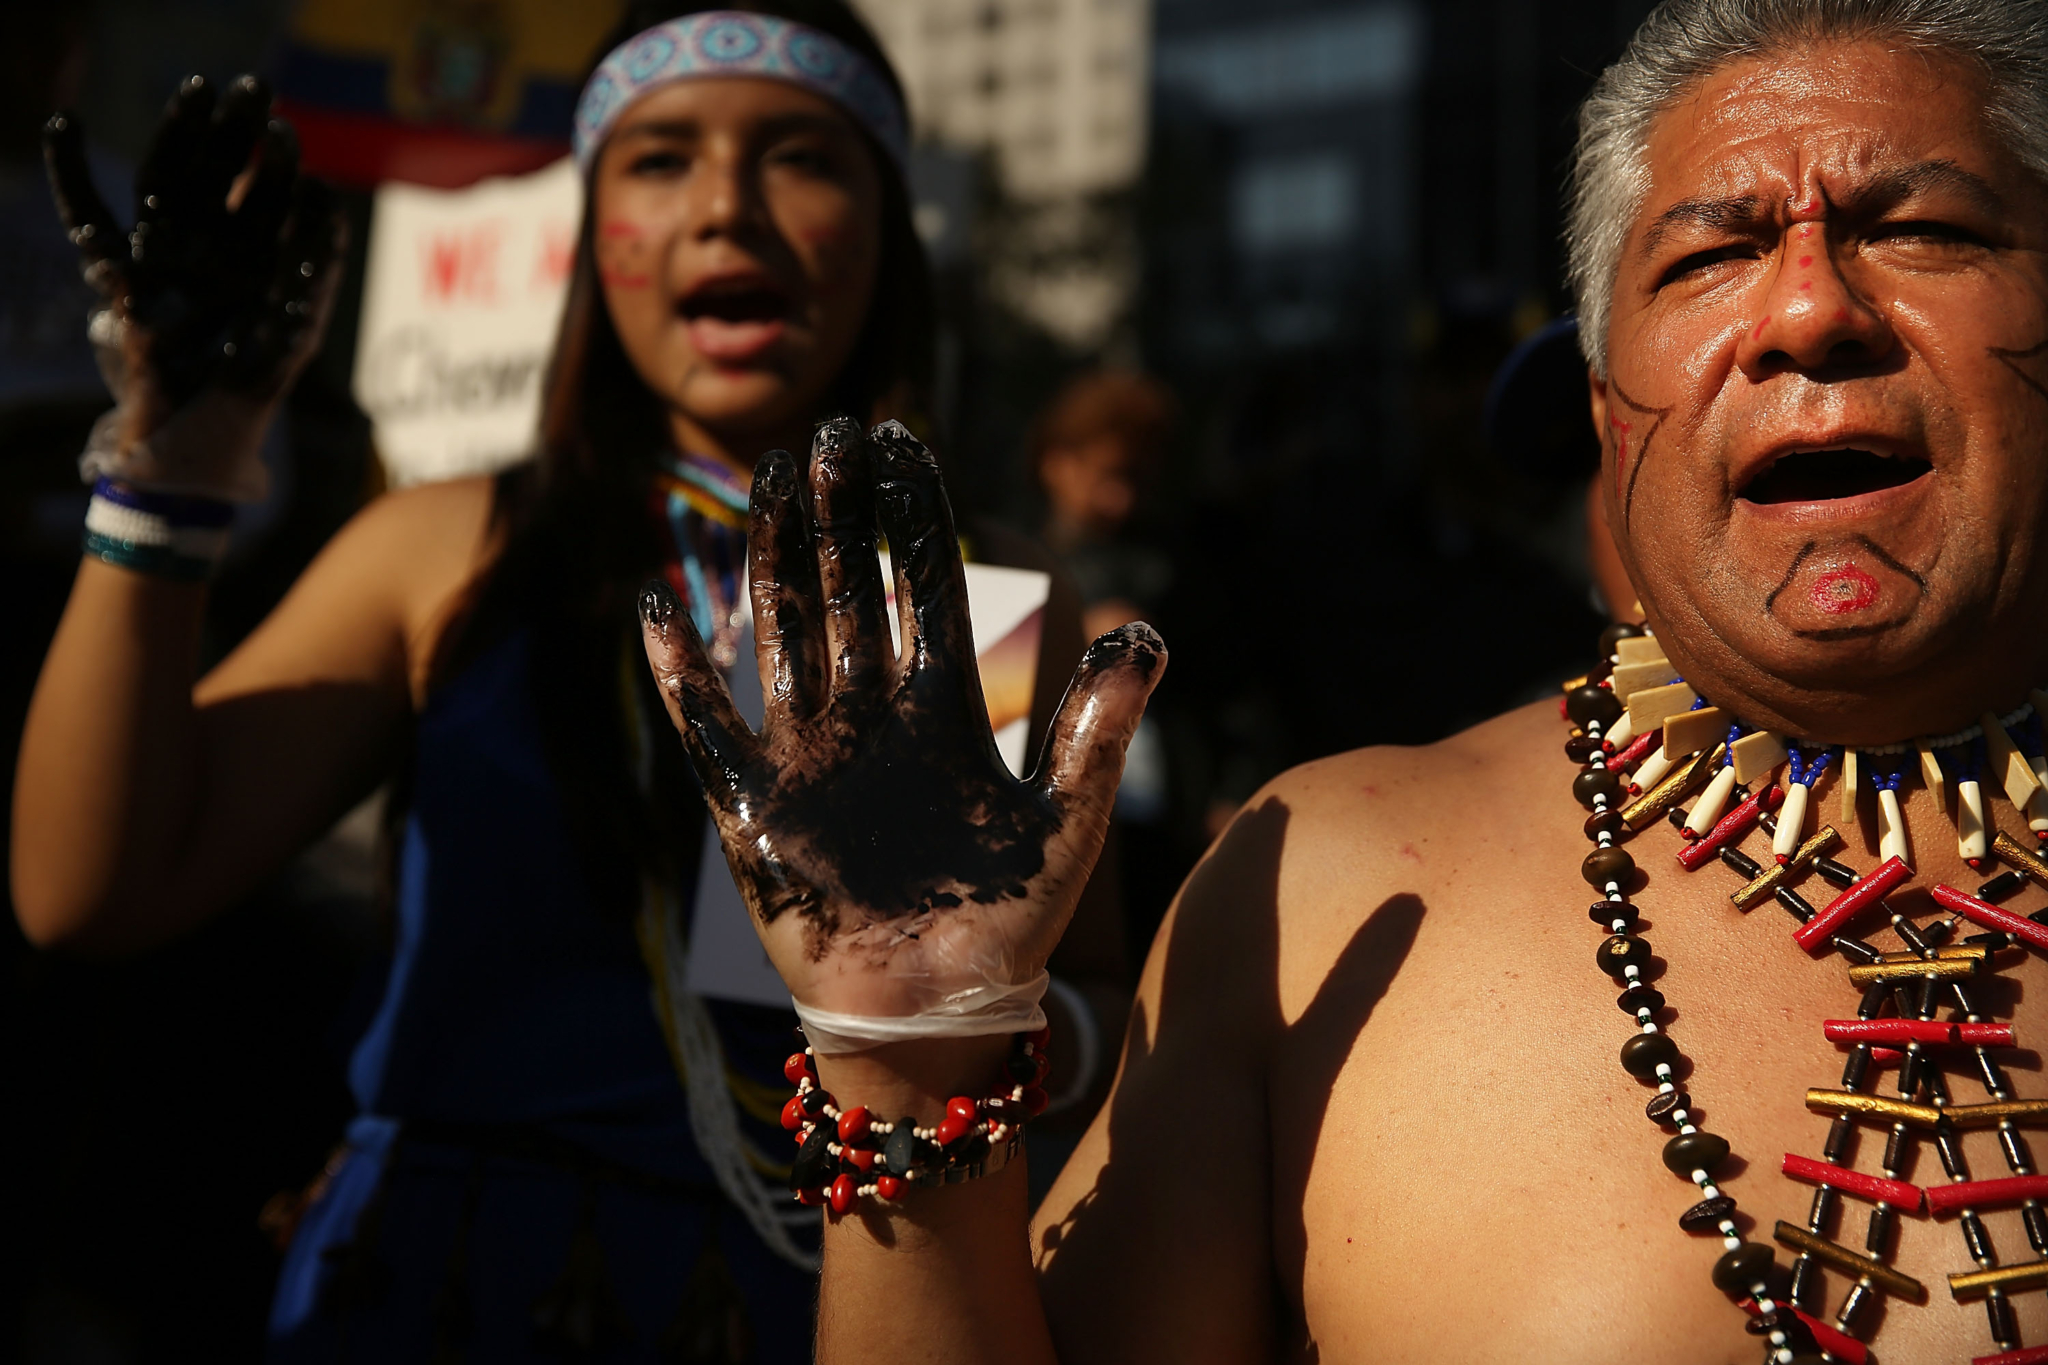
x=527, y=1176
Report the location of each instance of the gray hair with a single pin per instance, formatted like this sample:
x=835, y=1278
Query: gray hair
x=1685, y=41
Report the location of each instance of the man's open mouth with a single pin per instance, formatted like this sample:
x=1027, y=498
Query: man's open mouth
x=1825, y=475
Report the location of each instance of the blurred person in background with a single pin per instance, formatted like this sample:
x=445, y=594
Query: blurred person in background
x=1098, y=451
x=1534, y=420
x=527, y=1175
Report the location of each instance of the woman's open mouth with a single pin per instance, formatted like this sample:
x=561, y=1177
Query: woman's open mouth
x=734, y=320
x=1830, y=475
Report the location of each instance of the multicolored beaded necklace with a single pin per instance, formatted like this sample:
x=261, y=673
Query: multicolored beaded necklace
x=1645, y=743
x=705, y=504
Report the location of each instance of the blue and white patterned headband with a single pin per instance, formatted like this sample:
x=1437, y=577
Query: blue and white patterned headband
x=735, y=43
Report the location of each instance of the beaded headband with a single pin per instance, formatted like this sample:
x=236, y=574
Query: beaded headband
x=734, y=43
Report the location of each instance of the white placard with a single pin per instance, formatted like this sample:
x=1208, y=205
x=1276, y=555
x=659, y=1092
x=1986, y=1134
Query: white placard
x=1006, y=609
x=461, y=299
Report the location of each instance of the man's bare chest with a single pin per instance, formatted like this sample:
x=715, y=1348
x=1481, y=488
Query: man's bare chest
x=1478, y=1178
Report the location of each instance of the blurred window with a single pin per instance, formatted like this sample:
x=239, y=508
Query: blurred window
x=1352, y=54
x=1292, y=202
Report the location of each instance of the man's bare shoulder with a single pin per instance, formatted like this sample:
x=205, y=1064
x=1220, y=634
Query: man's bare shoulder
x=1325, y=846
x=1379, y=834
x=1382, y=808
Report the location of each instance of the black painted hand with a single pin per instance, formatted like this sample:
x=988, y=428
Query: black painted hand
x=889, y=857
x=223, y=281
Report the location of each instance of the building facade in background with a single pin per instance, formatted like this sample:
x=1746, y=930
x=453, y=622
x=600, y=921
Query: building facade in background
x=1051, y=98
x=1053, y=90
x=1282, y=202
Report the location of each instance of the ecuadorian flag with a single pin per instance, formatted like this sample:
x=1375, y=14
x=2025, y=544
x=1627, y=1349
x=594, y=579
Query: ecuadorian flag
x=436, y=92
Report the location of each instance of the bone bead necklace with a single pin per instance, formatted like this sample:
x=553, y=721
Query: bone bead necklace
x=1645, y=743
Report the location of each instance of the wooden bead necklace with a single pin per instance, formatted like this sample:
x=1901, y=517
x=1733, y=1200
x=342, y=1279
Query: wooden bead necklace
x=1637, y=764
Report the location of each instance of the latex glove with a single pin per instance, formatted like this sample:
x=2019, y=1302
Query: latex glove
x=903, y=881
x=213, y=302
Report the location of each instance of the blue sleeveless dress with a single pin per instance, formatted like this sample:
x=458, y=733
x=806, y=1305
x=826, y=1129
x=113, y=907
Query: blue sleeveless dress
x=522, y=1171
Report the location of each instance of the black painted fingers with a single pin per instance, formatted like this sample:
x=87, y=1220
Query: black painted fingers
x=265, y=200
x=102, y=246
x=268, y=339
x=849, y=575
x=924, y=551
x=1084, y=751
x=720, y=746
x=782, y=574
x=240, y=118
x=180, y=205
x=230, y=257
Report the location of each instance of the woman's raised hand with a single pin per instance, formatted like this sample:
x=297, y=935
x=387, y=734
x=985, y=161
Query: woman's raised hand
x=893, y=865
x=216, y=297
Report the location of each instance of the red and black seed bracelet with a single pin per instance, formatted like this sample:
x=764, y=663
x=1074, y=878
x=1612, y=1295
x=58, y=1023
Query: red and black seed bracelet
x=844, y=1156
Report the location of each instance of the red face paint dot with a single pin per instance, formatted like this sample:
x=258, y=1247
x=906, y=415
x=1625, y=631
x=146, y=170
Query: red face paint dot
x=1806, y=284
x=1844, y=589
x=1805, y=261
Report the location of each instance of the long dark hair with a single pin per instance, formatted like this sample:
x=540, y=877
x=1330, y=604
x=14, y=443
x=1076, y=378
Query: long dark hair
x=579, y=536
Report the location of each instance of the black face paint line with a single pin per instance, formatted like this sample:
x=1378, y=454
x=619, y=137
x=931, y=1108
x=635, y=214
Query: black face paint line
x=2010, y=359
x=1623, y=430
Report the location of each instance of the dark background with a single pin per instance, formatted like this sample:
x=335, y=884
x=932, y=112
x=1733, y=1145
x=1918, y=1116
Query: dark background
x=1354, y=560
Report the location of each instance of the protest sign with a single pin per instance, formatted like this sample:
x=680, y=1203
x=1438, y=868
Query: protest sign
x=461, y=300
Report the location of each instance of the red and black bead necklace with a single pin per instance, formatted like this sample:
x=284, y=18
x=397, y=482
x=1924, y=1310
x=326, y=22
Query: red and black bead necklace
x=1925, y=976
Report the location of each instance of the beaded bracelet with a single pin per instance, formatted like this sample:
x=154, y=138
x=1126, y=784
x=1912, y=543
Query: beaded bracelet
x=161, y=534
x=846, y=1155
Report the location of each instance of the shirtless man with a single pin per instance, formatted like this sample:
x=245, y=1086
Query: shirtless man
x=1371, y=1107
